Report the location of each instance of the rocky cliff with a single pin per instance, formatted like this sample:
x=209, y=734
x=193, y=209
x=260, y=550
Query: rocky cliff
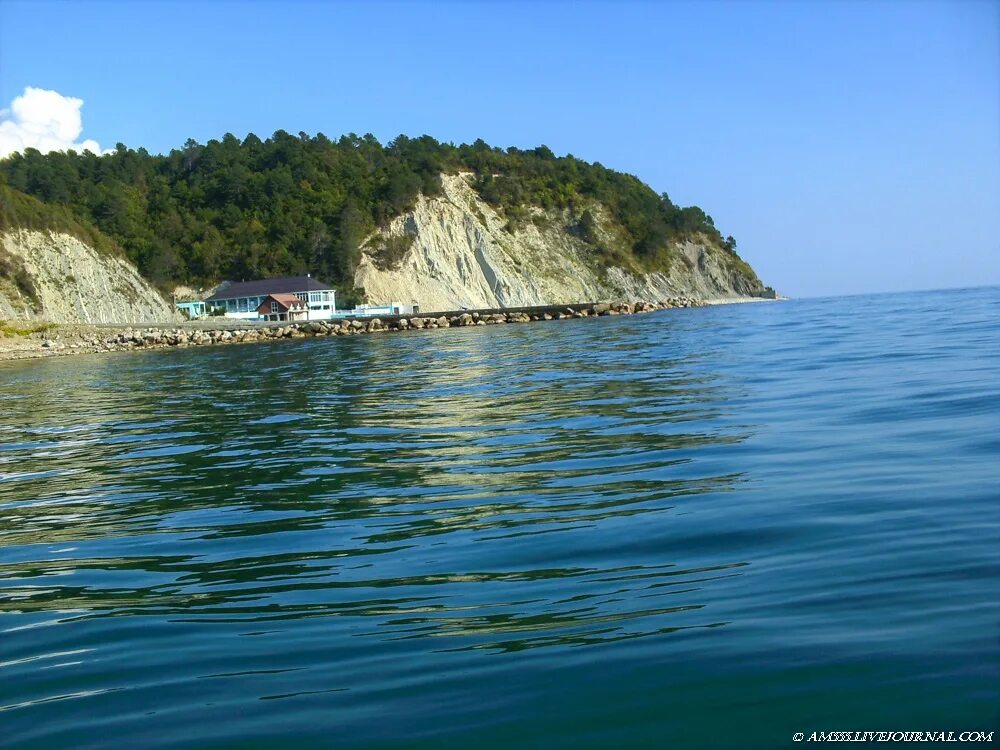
x=455, y=250
x=449, y=251
x=56, y=277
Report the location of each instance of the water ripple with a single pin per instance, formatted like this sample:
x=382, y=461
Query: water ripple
x=441, y=526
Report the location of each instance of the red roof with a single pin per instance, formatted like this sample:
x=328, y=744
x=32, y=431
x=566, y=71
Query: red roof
x=285, y=301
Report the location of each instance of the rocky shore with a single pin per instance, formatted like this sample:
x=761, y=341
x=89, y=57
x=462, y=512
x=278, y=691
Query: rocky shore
x=54, y=340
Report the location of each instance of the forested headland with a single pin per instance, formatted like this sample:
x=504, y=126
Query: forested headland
x=295, y=204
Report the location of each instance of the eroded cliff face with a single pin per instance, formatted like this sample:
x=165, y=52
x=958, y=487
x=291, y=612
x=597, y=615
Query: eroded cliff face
x=463, y=256
x=73, y=283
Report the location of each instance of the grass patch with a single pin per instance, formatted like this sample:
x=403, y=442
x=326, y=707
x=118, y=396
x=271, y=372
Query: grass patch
x=11, y=328
x=12, y=269
x=20, y=211
x=477, y=212
x=389, y=253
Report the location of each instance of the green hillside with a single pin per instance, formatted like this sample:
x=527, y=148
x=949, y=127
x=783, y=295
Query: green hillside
x=297, y=204
x=20, y=211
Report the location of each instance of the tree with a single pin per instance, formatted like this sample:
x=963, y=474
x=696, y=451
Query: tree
x=587, y=227
x=352, y=232
x=236, y=209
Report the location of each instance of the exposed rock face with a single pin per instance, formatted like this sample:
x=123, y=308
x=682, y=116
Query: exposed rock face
x=76, y=284
x=463, y=256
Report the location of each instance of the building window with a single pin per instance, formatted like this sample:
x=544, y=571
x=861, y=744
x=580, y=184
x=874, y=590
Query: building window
x=274, y=307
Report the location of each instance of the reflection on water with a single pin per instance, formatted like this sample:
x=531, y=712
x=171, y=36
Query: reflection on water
x=379, y=480
x=356, y=526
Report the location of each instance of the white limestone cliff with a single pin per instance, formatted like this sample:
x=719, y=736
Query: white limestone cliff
x=74, y=283
x=462, y=255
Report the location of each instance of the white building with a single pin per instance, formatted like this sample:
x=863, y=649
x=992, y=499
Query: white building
x=241, y=299
x=374, y=311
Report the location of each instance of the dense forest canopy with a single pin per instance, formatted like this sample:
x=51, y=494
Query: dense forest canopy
x=296, y=204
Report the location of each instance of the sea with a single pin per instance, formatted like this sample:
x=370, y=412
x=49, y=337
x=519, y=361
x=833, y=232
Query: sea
x=738, y=526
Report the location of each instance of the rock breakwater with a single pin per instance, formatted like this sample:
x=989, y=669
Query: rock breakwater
x=55, y=341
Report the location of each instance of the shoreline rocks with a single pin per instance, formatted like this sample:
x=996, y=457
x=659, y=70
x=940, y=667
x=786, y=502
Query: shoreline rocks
x=167, y=337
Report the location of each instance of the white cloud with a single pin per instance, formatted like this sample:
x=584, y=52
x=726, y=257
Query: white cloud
x=45, y=120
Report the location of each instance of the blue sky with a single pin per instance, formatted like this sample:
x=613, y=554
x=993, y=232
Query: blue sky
x=849, y=146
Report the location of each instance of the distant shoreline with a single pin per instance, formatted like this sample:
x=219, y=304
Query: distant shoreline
x=739, y=300
x=27, y=340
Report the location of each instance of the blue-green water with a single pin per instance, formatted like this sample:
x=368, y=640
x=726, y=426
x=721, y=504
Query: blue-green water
x=698, y=528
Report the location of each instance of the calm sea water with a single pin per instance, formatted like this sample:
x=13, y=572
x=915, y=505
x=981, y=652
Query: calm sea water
x=702, y=528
